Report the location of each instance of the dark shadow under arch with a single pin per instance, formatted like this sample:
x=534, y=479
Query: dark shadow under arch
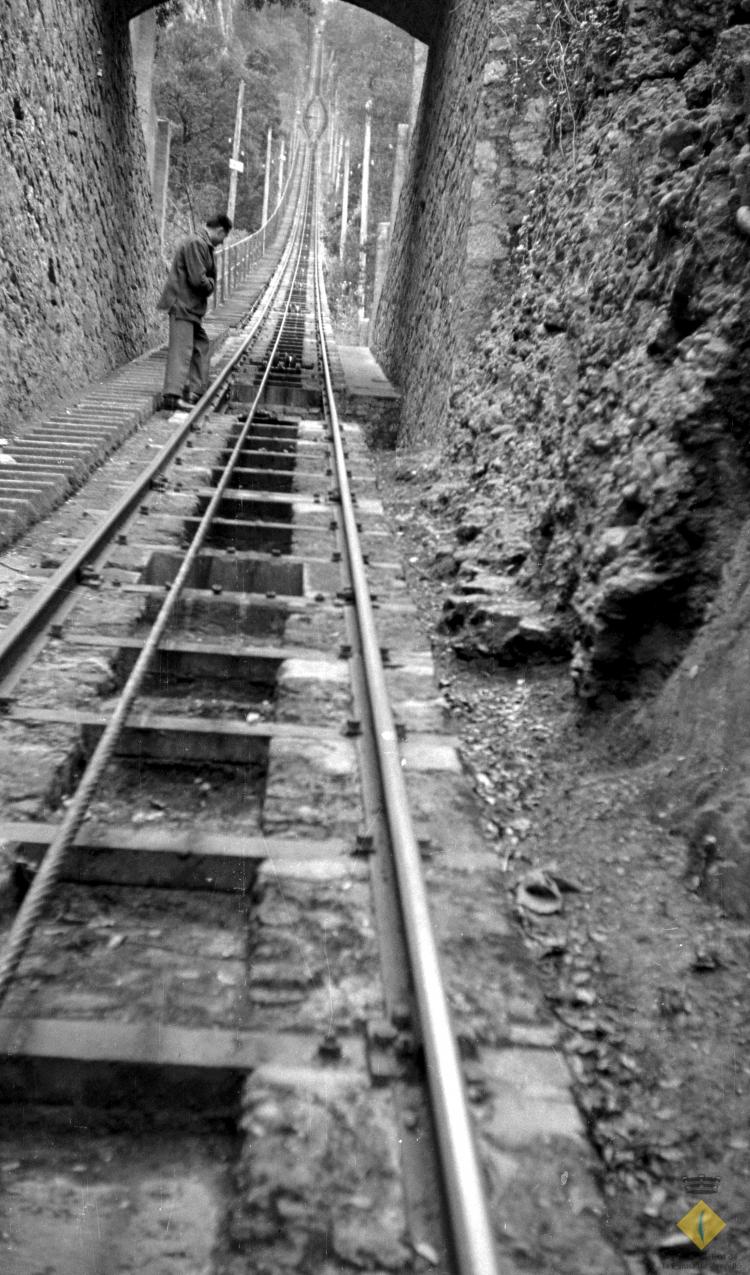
x=419, y=18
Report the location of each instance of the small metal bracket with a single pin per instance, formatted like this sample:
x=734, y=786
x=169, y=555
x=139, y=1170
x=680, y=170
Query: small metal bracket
x=391, y=1053
x=330, y=1047
x=89, y=577
x=364, y=843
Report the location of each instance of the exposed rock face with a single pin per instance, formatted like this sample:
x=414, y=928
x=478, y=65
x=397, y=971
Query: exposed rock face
x=612, y=386
x=607, y=400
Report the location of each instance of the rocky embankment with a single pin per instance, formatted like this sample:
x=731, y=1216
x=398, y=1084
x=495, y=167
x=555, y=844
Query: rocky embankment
x=606, y=405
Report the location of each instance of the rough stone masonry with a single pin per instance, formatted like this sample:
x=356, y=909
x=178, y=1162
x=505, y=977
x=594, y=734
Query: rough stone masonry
x=79, y=253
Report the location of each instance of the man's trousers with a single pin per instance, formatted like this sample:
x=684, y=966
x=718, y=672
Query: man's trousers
x=188, y=367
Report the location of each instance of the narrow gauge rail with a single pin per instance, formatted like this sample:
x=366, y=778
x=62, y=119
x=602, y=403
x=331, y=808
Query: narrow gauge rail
x=237, y=556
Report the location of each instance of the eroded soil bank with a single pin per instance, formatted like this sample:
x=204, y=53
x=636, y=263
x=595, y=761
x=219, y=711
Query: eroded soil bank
x=644, y=969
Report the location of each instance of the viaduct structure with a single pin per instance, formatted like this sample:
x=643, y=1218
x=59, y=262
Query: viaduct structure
x=80, y=262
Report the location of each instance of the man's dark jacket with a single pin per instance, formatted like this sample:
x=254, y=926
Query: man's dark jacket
x=190, y=281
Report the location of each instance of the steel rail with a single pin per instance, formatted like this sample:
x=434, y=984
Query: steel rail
x=15, y=638
x=32, y=908
x=470, y=1228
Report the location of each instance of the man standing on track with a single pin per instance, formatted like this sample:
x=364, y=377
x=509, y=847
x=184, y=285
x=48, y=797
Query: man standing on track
x=190, y=283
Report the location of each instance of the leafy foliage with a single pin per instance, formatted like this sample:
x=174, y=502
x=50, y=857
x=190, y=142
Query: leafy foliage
x=196, y=81
x=575, y=44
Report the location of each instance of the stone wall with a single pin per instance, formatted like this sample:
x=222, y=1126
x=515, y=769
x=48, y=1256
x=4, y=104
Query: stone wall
x=415, y=328
x=79, y=253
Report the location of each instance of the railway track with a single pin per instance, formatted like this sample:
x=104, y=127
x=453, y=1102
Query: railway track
x=225, y=1042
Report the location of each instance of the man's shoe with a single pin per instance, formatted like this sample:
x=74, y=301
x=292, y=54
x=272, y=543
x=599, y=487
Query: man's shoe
x=173, y=403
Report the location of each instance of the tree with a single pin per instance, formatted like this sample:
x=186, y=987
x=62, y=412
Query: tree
x=197, y=74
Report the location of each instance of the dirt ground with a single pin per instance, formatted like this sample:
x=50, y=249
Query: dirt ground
x=649, y=981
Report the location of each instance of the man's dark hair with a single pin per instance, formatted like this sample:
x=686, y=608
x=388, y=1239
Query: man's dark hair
x=222, y=220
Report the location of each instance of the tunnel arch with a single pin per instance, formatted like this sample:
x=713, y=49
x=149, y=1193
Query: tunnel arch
x=418, y=18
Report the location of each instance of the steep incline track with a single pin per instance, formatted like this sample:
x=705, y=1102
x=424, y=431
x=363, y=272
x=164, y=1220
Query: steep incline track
x=221, y=972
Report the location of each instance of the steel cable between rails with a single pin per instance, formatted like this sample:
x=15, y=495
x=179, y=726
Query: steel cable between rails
x=16, y=637
x=471, y=1232
x=47, y=876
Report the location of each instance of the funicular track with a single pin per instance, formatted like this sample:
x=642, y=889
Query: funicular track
x=227, y=779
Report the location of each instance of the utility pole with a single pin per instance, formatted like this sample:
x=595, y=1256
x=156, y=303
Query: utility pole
x=332, y=128
x=282, y=164
x=267, y=178
x=339, y=156
x=345, y=200
x=363, y=210
x=266, y=189
x=235, y=164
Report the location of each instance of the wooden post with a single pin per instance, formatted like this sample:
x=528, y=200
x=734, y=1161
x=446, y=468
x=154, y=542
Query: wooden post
x=282, y=165
x=363, y=210
x=266, y=185
x=235, y=164
x=332, y=127
x=345, y=200
x=339, y=157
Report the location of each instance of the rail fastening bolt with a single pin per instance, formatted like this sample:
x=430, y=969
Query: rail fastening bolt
x=330, y=1046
